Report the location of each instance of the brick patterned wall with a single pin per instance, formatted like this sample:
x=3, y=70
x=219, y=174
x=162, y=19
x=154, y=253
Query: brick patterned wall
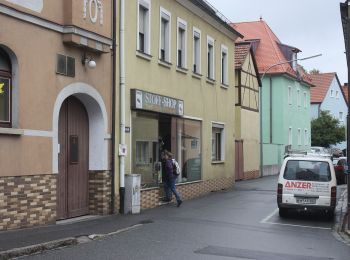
x=100, y=193
x=27, y=201
x=150, y=197
x=251, y=175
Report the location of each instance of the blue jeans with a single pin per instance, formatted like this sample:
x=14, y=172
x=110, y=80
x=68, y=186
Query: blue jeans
x=170, y=187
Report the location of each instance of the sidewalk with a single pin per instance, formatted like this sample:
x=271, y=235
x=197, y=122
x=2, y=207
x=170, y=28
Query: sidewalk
x=28, y=241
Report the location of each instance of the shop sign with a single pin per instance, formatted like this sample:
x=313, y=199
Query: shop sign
x=153, y=102
x=94, y=10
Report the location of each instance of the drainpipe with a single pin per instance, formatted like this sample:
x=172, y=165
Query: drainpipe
x=122, y=104
x=114, y=86
x=261, y=132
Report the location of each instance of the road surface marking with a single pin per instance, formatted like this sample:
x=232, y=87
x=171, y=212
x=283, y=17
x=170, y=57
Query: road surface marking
x=266, y=221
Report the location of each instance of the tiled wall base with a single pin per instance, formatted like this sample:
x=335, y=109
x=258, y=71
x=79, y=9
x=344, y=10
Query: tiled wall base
x=100, y=193
x=150, y=197
x=251, y=175
x=27, y=201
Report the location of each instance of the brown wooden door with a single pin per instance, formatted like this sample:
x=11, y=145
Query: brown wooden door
x=73, y=138
x=239, y=160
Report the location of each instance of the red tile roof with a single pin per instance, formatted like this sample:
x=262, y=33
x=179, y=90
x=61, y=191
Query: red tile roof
x=268, y=52
x=345, y=89
x=322, y=82
x=241, y=52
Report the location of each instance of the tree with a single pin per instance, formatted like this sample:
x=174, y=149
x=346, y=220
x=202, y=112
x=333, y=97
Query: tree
x=326, y=130
x=314, y=71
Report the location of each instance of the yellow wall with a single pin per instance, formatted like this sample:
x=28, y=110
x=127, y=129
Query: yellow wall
x=248, y=124
x=201, y=99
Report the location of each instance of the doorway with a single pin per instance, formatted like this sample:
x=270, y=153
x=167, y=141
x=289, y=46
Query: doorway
x=73, y=160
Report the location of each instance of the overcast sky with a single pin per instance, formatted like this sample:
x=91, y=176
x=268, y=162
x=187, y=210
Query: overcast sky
x=313, y=26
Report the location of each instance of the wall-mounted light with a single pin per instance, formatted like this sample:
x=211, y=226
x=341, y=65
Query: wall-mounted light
x=89, y=61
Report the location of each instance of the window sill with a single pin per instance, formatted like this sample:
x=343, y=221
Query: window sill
x=164, y=64
x=143, y=55
x=217, y=162
x=211, y=81
x=224, y=86
x=187, y=183
x=196, y=75
x=11, y=131
x=182, y=70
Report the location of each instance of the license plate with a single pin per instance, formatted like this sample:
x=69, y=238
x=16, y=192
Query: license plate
x=306, y=200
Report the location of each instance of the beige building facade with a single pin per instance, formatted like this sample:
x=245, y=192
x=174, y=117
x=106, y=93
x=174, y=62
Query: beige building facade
x=247, y=113
x=55, y=110
x=180, y=96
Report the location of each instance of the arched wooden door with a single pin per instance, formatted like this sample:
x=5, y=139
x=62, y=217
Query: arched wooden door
x=73, y=138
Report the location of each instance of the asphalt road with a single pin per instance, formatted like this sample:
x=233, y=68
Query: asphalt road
x=238, y=224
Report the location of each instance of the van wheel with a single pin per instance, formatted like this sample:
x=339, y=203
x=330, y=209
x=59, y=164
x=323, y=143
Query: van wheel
x=283, y=212
x=330, y=214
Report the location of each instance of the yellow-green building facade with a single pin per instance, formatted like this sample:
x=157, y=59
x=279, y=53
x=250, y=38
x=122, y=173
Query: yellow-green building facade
x=179, y=96
x=247, y=113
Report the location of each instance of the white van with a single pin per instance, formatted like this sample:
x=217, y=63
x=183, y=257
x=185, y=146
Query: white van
x=307, y=183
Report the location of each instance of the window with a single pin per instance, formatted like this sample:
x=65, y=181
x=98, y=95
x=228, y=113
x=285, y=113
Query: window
x=337, y=94
x=164, y=52
x=224, y=65
x=5, y=90
x=290, y=95
x=307, y=171
x=196, y=51
x=290, y=136
x=341, y=116
x=210, y=58
x=306, y=137
x=305, y=100
x=299, y=136
x=143, y=34
x=332, y=93
x=66, y=65
x=142, y=152
x=181, y=43
x=298, y=98
x=218, y=142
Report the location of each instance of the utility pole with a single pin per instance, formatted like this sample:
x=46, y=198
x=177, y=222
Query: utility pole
x=345, y=11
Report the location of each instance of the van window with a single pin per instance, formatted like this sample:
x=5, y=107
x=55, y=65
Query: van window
x=307, y=171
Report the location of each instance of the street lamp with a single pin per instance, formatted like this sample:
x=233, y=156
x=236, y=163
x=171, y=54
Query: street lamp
x=260, y=94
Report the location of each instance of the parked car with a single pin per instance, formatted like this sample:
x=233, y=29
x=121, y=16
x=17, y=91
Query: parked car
x=307, y=183
x=341, y=169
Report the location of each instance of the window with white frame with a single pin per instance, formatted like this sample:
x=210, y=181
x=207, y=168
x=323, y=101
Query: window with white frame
x=337, y=94
x=306, y=137
x=165, y=38
x=305, y=100
x=332, y=93
x=181, y=43
x=224, y=65
x=290, y=95
x=290, y=136
x=142, y=152
x=210, y=58
x=196, y=50
x=341, y=115
x=218, y=142
x=299, y=136
x=298, y=98
x=143, y=29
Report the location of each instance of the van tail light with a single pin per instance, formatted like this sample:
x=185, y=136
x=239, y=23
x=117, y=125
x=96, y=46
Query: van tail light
x=339, y=168
x=279, y=193
x=333, y=196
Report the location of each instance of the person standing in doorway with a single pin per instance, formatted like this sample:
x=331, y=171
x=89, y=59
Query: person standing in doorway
x=170, y=179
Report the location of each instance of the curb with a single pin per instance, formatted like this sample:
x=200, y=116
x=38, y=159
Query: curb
x=55, y=244
x=29, y=250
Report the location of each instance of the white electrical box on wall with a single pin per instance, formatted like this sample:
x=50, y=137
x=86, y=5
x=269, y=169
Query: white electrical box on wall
x=132, y=194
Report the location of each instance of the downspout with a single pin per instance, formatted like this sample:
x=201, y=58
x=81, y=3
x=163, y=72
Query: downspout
x=122, y=104
x=270, y=110
x=114, y=86
x=261, y=133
